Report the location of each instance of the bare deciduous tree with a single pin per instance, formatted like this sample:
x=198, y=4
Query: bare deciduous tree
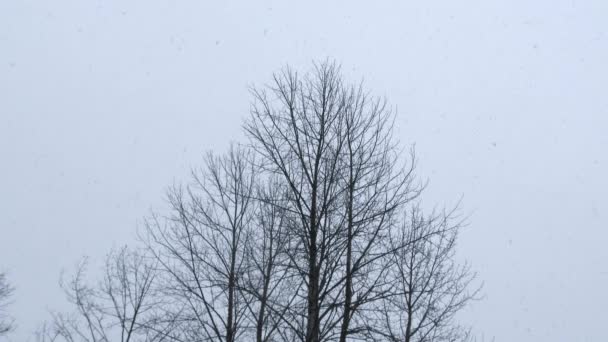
x=331, y=145
x=118, y=308
x=296, y=127
x=201, y=247
x=428, y=286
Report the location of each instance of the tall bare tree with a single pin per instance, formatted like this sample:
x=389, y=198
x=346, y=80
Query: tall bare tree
x=331, y=144
x=6, y=292
x=201, y=246
x=296, y=127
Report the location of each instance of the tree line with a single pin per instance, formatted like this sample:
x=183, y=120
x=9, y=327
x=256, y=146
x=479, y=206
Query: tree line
x=311, y=230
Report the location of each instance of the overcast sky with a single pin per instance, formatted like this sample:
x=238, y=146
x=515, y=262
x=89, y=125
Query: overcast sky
x=103, y=104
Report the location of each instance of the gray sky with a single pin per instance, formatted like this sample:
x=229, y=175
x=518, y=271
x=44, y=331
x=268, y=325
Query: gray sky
x=103, y=104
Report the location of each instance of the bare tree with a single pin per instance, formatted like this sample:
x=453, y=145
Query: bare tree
x=331, y=145
x=116, y=309
x=201, y=247
x=6, y=291
x=295, y=126
x=428, y=286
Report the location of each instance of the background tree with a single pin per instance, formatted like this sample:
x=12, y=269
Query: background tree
x=428, y=286
x=117, y=308
x=201, y=246
x=6, y=292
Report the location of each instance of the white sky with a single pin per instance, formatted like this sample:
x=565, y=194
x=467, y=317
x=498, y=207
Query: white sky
x=103, y=104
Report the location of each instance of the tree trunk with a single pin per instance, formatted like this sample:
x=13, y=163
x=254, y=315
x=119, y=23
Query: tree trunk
x=312, y=325
x=348, y=291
